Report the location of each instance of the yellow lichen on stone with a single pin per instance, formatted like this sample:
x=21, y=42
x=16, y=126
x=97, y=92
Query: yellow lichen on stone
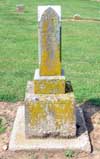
x=49, y=86
x=36, y=112
x=59, y=107
x=64, y=112
x=49, y=68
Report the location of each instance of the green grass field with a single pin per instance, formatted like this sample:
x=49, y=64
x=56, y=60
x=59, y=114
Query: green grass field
x=19, y=47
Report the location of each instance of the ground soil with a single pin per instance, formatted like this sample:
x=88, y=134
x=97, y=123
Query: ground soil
x=92, y=117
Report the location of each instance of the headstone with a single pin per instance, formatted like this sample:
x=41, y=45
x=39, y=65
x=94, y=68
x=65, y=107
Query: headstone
x=49, y=18
x=50, y=111
x=20, y=8
x=77, y=17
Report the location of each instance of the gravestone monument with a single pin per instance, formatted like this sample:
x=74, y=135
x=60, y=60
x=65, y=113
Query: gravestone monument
x=49, y=117
x=50, y=111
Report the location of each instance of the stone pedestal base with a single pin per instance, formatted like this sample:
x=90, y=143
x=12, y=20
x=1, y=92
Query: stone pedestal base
x=18, y=141
x=49, y=114
x=49, y=84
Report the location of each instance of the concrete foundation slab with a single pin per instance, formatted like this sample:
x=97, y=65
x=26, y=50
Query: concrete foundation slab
x=18, y=141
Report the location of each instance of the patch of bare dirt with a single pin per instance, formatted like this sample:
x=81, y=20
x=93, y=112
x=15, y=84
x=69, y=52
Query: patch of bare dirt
x=92, y=116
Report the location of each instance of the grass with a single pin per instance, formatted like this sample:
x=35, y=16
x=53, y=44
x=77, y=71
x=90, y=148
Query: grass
x=2, y=125
x=19, y=48
x=69, y=154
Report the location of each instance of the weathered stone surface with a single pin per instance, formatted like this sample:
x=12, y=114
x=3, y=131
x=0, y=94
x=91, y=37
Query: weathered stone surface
x=18, y=140
x=49, y=41
x=49, y=114
x=48, y=84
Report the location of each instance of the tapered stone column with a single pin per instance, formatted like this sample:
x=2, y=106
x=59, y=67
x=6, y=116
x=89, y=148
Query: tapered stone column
x=49, y=19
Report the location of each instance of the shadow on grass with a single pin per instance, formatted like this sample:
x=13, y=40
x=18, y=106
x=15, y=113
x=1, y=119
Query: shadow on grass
x=94, y=101
x=8, y=98
x=90, y=107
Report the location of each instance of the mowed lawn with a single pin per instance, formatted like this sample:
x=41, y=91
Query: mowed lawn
x=80, y=47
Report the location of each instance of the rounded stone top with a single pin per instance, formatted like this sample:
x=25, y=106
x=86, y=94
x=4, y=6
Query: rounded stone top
x=41, y=10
